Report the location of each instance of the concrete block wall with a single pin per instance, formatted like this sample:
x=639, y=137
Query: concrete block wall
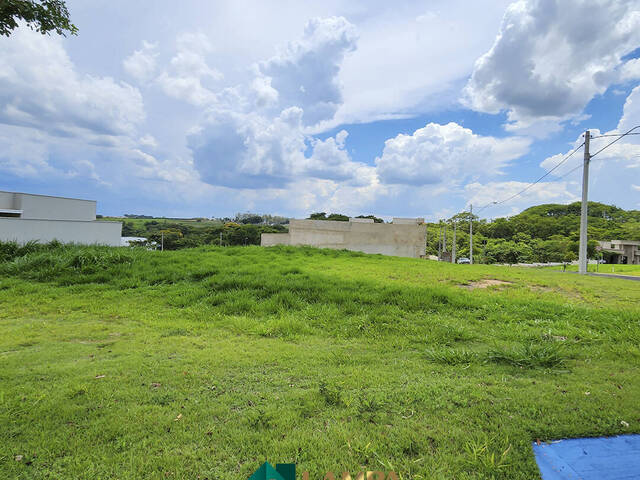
x=272, y=239
x=401, y=240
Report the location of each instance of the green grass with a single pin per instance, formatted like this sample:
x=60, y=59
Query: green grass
x=204, y=363
x=607, y=268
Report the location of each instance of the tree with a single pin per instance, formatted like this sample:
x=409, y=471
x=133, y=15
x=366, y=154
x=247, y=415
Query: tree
x=249, y=218
x=43, y=16
x=372, y=217
x=169, y=238
x=338, y=217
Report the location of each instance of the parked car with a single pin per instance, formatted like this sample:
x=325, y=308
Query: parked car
x=464, y=260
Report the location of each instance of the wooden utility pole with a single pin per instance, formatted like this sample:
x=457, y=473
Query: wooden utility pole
x=582, y=257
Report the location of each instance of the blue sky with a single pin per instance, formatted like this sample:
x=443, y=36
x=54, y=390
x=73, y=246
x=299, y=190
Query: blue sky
x=416, y=108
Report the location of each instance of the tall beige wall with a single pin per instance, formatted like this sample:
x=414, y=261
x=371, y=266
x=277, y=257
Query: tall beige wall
x=271, y=239
x=403, y=240
x=87, y=233
x=43, y=207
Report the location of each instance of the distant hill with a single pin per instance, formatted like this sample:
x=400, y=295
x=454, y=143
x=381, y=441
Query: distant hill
x=544, y=233
x=543, y=221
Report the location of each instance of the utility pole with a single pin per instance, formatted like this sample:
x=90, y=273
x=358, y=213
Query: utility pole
x=582, y=257
x=220, y=238
x=440, y=242
x=426, y=238
x=162, y=241
x=444, y=239
x=453, y=247
x=471, y=234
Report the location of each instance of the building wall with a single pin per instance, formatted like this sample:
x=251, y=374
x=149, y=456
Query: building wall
x=24, y=230
x=271, y=239
x=622, y=248
x=406, y=221
x=43, y=207
x=401, y=240
x=7, y=201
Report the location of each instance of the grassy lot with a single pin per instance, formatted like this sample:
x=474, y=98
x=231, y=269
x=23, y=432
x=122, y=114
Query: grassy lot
x=203, y=363
x=607, y=268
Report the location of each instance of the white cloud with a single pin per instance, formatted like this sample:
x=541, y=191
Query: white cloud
x=187, y=88
x=259, y=139
x=253, y=151
x=148, y=141
x=551, y=57
x=630, y=70
x=248, y=151
x=41, y=88
x=189, y=59
x=483, y=195
x=630, y=114
x=445, y=153
x=413, y=57
x=254, y=136
x=266, y=95
x=63, y=126
x=613, y=170
x=189, y=75
x=305, y=73
x=330, y=160
x=142, y=64
x=624, y=153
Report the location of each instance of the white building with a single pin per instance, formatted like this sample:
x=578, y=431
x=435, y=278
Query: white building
x=25, y=217
x=620, y=251
x=405, y=237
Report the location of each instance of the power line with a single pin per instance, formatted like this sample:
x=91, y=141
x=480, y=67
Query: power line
x=614, y=135
x=619, y=137
x=579, y=166
x=533, y=183
x=570, y=172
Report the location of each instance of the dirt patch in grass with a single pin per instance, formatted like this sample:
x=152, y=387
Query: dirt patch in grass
x=541, y=289
x=485, y=283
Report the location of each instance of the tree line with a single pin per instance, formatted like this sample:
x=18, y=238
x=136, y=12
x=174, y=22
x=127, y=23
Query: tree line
x=544, y=233
x=178, y=234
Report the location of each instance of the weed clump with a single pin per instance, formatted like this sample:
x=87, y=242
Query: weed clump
x=69, y=264
x=451, y=356
x=530, y=355
x=330, y=394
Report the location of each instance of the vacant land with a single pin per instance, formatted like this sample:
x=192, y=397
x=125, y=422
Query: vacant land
x=203, y=363
x=607, y=268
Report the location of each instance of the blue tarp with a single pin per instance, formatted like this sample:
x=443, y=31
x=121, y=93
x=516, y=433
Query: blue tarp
x=590, y=458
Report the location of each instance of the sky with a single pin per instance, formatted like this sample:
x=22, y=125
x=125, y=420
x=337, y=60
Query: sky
x=207, y=108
